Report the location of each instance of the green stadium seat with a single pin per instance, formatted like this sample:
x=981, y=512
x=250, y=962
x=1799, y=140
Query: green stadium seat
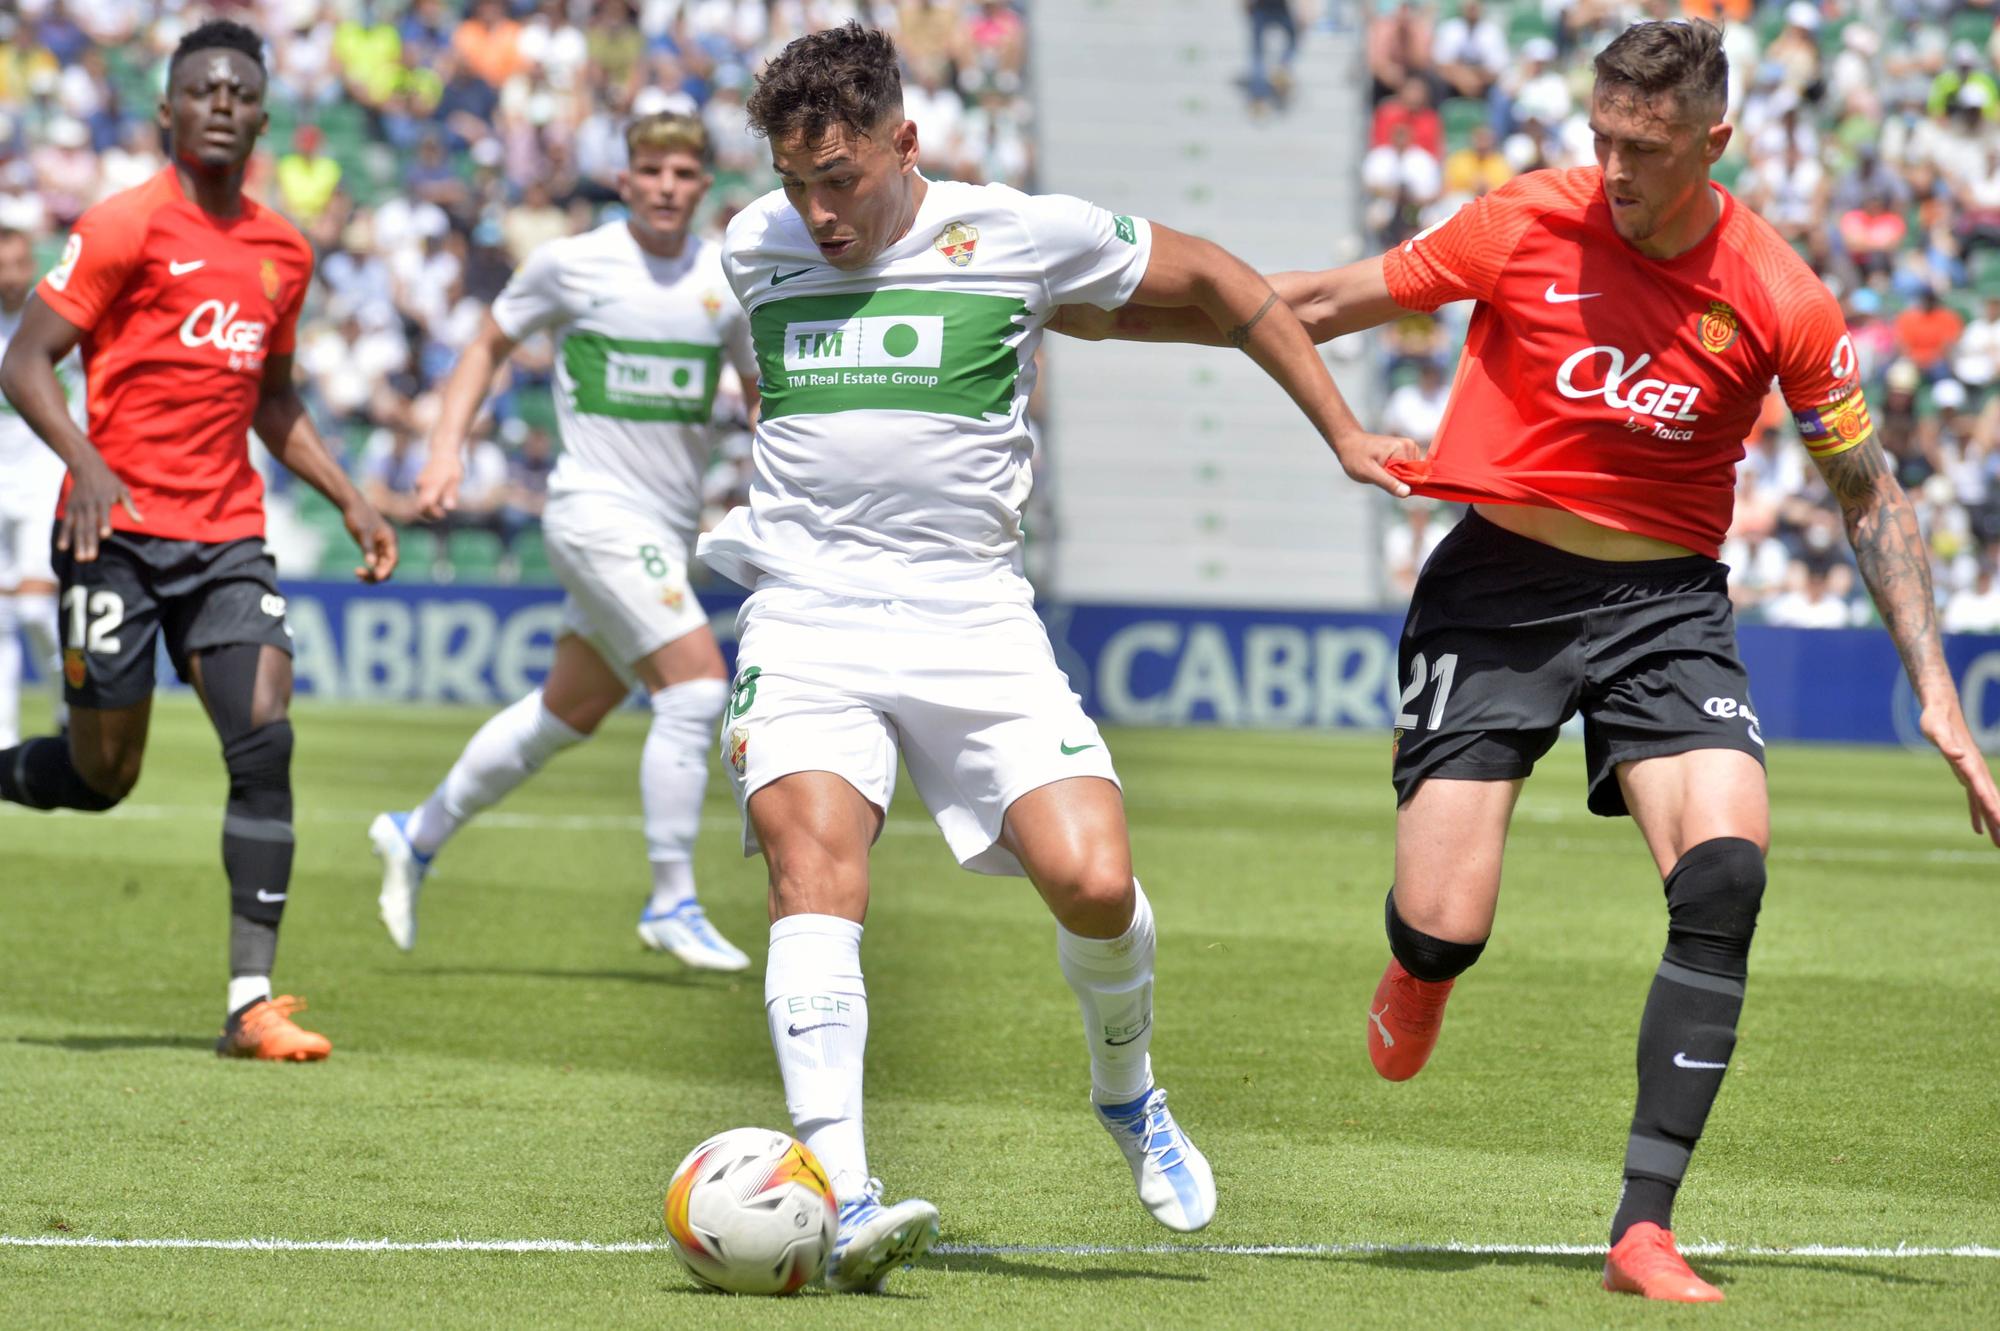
x=536, y=407
x=1527, y=21
x=1986, y=272
x=533, y=554
x=474, y=556
x=1461, y=116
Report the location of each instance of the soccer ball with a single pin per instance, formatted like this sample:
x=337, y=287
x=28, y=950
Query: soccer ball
x=750, y=1211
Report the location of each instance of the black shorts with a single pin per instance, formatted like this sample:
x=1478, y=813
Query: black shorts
x=1508, y=638
x=200, y=594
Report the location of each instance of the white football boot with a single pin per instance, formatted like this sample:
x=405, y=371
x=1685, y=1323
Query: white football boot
x=1174, y=1179
x=875, y=1239
x=403, y=873
x=686, y=932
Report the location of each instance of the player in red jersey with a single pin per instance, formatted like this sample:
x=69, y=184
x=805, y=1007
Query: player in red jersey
x=184, y=295
x=1631, y=318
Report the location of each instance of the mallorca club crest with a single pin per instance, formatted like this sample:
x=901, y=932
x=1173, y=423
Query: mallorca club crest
x=73, y=669
x=1718, y=328
x=739, y=748
x=957, y=242
x=269, y=271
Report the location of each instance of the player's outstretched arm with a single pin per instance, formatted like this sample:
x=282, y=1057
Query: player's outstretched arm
x=28, y=378
x=464, y=393
x=1186, y=271
x=1896, y=566
x=1330, y=302
x=287, y=430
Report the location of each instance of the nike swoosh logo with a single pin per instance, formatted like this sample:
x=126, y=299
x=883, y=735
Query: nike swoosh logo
x=269, y=897
x=1069, y=752
x=801, y=1030
x=179, y=269
x=1681, y=1060
x=1134, y=1035
x=779, y=279
x=1554, y=297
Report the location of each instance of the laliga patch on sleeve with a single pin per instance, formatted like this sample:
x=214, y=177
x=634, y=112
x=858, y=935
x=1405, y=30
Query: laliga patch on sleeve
x=1126, y=231
x=60, y=274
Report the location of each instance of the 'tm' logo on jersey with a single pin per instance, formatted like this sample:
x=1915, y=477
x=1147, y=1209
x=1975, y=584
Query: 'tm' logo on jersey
x=641, y=380
x=902, y=341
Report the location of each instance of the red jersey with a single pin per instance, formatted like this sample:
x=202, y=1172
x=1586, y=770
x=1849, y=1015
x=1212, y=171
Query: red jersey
x=1614, y=386
x=179, y=309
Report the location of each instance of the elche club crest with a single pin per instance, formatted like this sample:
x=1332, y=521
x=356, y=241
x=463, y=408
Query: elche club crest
x=957, y=242
x=1717, y=327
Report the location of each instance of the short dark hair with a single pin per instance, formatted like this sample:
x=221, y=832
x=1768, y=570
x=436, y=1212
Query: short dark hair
x=844, y=76
x=8, y=234
x=218, y=34
x=1681, y=57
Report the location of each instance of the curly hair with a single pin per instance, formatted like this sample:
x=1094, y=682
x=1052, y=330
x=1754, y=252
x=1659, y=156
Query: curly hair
x=846, y=76
x=217, y=35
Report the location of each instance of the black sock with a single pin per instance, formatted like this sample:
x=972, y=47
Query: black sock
x=40, y=775
x=257, y=843
x=1689, y=1029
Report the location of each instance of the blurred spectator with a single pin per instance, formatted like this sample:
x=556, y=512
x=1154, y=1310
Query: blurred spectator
x=1399, y=49
x=1926, y=331
x=1470, y=51
x=307, y=178
x=1407, y=544
x=1873, y=233
x=1410, y=109
x=1976, y=358
x=1976, y=609
x=1270, y=87
x=1812, y=601
x=1417, y=408
x=488, y=43
x=1402, y=179
x=1477, y=168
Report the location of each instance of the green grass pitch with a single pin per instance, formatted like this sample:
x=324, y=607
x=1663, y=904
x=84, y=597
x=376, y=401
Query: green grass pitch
x=529, y=1073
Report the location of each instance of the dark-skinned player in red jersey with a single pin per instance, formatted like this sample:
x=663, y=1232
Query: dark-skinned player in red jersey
x=185, y=296
x=1631, y=318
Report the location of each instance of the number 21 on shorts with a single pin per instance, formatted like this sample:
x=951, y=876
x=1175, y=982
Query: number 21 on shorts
x=1439, y=677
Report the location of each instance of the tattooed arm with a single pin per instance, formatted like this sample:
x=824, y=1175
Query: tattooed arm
x=1186, y=272
x=1896, y=566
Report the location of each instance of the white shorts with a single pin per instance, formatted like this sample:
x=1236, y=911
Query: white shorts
x=970, y=694
x=28, y=495
x=626, y=573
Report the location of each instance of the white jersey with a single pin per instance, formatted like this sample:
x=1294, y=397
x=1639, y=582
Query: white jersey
x=892, y=455
x=641, y=342
x=29, y=467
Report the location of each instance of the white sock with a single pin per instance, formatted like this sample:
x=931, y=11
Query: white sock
x=507, y=750
x=10, y=676
x=673, y=775
x=37, y=613
x=247, y=989
x=1113, y=980
x=673, y=884
x=818, y=1012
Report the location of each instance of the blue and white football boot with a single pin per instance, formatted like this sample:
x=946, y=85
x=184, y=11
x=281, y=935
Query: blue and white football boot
x=875, y=1239
x=1174, y=1179
x=686, y=932
x=403, y=873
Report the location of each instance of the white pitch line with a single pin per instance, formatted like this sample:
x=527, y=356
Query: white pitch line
x=1143, y=827
x=1899, y=1252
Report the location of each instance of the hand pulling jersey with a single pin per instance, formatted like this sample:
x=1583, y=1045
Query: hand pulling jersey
x=892, y=455
x=179, y=309
x=1614, y=386
x=640, y=347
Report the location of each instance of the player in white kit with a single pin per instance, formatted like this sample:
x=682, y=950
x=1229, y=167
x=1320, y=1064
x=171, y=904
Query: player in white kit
x=645, y=325
x=895, y=322
x=31, y=477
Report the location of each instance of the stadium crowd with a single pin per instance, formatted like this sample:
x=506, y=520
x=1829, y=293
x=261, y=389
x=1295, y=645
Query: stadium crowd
x=425, y=148
x=1867, y=132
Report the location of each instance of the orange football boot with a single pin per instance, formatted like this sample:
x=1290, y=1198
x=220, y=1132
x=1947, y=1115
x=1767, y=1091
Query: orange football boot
x=1645, y=1262
x=1403, y=1021
x=264, y=1029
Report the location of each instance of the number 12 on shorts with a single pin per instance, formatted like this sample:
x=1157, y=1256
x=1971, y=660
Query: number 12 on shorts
x=95, y=616
x=1439, y=676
